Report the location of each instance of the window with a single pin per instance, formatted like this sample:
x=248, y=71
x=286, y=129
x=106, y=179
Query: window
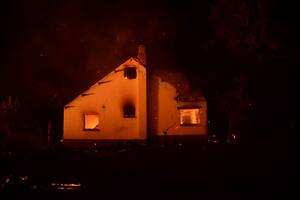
x=130, y=73
x=91, y=122
x=128, y=110
x=189, y=116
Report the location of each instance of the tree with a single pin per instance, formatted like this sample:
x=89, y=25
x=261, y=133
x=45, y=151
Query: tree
x=242, y=43
x=235, y=104
x=242, y=27
x=17, y=124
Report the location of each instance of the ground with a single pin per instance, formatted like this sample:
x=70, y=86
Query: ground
x=181, y=171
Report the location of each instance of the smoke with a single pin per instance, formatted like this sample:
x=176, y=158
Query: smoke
x=61, y=47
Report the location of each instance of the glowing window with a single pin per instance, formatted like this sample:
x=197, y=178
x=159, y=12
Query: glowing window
x=128, y=111
x=130, y=73
x=189, y=116
x=91, y=121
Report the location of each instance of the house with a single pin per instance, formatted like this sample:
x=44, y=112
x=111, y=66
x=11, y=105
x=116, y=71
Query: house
x=128, y=104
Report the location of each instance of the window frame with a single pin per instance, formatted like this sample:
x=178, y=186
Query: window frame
x=84, y=122
x=125, y=74
x=129, y=105
x=190, y=108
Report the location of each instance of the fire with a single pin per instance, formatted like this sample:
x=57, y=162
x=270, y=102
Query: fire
x=91, y=121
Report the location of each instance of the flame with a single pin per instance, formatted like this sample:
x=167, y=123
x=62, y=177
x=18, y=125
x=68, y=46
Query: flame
x=66, y=186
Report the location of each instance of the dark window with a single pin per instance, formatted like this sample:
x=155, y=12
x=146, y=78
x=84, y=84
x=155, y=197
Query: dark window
x=129, y=111
x=130, y=73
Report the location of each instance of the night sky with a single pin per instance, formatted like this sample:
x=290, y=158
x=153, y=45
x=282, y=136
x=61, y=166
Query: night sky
x=52, y=50
x=59, y=47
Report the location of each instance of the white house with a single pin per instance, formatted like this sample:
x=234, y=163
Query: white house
x=129, y=105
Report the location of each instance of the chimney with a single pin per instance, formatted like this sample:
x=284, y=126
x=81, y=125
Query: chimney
x=142, y=55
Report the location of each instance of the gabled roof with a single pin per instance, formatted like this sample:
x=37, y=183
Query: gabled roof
x=177, y=79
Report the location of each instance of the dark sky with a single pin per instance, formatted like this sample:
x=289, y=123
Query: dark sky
x=56, y=44
x=55, y=49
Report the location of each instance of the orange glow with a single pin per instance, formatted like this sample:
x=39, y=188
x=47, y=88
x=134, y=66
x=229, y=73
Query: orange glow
x=91, y=121
x=66, y=186
x=118, y=108
x=189, y=116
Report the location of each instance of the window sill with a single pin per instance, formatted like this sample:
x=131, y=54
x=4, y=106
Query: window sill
x=96, y=129
x=193, y=125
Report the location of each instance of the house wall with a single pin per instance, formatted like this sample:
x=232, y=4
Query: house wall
x=164, y=116
x=107, y=99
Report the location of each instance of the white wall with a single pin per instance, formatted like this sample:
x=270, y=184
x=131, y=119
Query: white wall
x=164, y=115
x=107, y=100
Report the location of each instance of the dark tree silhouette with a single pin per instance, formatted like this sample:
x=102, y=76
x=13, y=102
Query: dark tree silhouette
x=235, y=104
x=242, y=27
x=19, y=129
x=242, y=43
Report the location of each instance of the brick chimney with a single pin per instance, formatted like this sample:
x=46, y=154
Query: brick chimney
x=142, y=55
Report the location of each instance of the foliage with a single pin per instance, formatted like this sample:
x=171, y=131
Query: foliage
x=17, y=124
x=236, y=104
x=242, y=27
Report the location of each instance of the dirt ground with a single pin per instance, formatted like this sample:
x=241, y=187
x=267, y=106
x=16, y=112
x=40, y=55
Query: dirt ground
x=178, y=171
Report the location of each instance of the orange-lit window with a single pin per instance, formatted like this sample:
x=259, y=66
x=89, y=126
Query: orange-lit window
x=189, y=116
x=91, y=122
x=130, y=73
